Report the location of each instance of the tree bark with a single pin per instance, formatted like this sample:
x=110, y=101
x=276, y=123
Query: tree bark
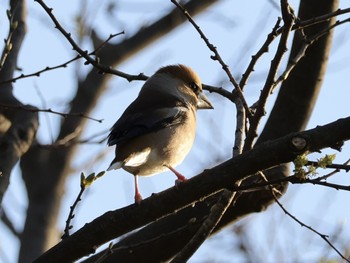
x=264, y=156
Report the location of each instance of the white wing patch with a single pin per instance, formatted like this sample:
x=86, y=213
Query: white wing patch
x=138, y=158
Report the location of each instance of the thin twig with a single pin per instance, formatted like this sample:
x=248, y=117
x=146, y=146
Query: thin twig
x=8, y=41
x=323, y=236
x=64, y=115
x=292, y=63
x=39, y=72
x=264, y=48
x=343, y=166
x=225, y=93
x=84, y=53
x=306, y=43
x=71, y=212
x=111, y=36
x=85, y=182
x=216, y=56
x=337, y=167
x=326, y=30
x=62, y=65
x=320, y=19
x=288, y=18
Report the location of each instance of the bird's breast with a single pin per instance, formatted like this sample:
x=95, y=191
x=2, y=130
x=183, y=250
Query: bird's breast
x=168, y=146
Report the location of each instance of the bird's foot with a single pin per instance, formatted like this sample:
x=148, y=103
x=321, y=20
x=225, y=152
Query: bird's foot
x=179, y=181
x=138, y=198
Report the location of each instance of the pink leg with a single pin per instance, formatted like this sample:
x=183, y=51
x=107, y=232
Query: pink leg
x=138, y=197
x=180, y=177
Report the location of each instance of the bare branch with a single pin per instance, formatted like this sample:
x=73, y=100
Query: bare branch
x=221, y=91
x=63, y=65
x=71, y=213
x=8, y=41
x=205, y=184
x=85, y=182
x=216, y=56
x=264, y=48
x=288, y=18
x=320, y=19
x=34, y=110
x=85, y=54
x=323, y=236
x=39, y=72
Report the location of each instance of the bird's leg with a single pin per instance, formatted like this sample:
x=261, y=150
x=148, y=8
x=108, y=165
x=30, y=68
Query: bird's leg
x=180, y=177
x=138, y=196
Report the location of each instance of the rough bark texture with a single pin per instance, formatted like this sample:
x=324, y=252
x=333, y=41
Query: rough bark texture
x=118, y=222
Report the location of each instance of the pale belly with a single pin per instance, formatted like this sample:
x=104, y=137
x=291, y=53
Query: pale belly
x=170, y=147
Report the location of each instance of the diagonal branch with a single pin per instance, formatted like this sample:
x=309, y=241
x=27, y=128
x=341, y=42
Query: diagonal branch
x=323, y=236
x=216, y=56
x=84, y=53
x=288, y=18
x=115, y=223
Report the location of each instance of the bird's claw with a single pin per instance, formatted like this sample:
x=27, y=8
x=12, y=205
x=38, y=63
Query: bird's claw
x=179, y=181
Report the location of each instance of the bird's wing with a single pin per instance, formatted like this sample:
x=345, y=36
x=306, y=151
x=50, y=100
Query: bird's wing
x=137, y=122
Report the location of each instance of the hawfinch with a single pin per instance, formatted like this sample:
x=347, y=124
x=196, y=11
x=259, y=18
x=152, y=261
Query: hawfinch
x=157, y=130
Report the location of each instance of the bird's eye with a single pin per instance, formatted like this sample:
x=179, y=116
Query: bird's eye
x=194, y=87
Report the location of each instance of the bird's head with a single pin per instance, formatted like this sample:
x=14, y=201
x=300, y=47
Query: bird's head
x=182, y=81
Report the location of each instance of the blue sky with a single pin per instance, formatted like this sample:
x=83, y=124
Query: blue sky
x=237, y=29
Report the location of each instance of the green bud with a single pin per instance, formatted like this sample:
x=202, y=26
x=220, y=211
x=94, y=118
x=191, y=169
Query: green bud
x=14, y=25
x=9, y=47
x=90, y=179
x=327, y=160
x=82, y=180
x=100, y=174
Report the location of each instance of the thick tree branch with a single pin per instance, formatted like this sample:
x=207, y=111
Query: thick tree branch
x=115, y=223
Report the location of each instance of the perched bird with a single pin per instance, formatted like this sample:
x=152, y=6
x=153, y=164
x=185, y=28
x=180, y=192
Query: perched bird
x=157, y=130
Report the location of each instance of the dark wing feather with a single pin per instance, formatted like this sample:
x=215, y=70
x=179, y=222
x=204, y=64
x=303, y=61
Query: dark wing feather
x=132, y=125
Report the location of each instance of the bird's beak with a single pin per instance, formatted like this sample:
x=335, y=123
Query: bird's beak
x=203, y=102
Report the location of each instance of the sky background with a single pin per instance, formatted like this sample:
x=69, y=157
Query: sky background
x=238, y=29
